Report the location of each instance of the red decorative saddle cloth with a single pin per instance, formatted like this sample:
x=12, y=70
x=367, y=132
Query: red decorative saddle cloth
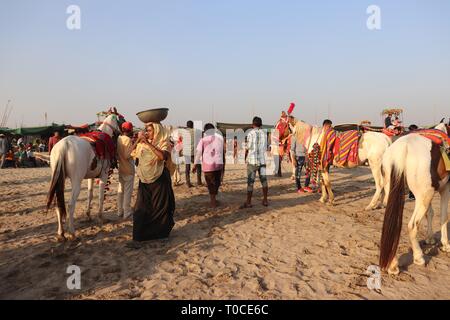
x=103, y=144
x=389, y=132
x=346, y=149
x=435, y=135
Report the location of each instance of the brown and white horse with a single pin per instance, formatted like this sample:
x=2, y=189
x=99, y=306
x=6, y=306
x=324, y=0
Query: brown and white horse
x=416, y=161
x=72, y=158
x=372, y=146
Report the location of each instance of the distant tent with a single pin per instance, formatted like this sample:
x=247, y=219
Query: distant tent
x=37, y=131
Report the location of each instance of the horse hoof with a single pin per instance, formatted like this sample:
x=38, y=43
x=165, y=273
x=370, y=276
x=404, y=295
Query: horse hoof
x=393, y=271
x=60, y=238
x=72, y=237
x=430, y=241
x=369, y=208
x=331, y=203
x=322, y=200
x=446, y=248
x=419, y=261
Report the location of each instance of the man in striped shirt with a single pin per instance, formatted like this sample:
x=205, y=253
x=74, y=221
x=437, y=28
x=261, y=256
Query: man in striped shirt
x=255, y=155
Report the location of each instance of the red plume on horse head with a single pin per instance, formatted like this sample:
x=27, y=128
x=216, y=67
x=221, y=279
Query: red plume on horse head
x=291, y=108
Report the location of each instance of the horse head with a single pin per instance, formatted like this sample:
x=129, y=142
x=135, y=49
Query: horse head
x=111, y=125
x=442, y=127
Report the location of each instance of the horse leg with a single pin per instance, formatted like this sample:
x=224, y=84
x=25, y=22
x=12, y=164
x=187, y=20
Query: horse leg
x=423, y=202
x=445, y=195
x=60, y=236
x=323, y=198
x=76, y=188
x=89, y=199
x=376, y=172
x=101, y=187
x=327, y=183
x=430, y=238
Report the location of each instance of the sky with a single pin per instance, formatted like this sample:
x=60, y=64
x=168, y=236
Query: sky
x=224, y=61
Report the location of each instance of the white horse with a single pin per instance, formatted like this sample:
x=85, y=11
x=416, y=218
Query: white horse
x=415, y=160
x=73, y=157
x=372, y=146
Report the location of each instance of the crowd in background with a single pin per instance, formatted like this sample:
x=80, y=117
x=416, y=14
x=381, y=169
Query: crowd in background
x=17, y=153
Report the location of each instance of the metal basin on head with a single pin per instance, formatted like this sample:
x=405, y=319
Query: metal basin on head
x=153, y=115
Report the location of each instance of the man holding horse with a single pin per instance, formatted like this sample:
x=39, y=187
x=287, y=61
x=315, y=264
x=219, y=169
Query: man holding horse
x=280, y=142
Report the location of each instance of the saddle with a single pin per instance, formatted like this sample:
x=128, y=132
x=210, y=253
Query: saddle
x=103, y=146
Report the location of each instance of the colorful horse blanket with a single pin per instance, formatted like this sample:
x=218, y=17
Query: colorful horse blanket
x=326, y=148
x=346, y=149
x=435, y=135
x=441, y=139
x=102, y=143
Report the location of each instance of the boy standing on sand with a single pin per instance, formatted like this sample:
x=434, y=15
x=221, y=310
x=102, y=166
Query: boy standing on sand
x=255, y=155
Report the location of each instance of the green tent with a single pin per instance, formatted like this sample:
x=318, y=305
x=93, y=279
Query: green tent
x=37, y=131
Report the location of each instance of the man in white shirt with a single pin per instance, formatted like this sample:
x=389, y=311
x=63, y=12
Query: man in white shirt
x=126, y=171
x=255, y=155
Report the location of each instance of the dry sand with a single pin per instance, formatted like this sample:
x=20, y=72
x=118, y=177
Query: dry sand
x=296, y=248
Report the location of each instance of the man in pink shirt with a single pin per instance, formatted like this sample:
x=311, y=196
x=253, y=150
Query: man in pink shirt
x=210, y=152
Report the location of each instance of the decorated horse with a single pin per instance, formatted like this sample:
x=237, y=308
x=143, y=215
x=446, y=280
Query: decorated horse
x=347, y=150
x=87, y=156
x=420, y=161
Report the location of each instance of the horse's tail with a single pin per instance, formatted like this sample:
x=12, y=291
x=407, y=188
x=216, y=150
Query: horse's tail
x=58, y=178
x=393, y=217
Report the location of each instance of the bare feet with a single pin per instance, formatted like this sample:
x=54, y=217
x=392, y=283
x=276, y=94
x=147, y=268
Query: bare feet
x=246, y=206
x=213, y=205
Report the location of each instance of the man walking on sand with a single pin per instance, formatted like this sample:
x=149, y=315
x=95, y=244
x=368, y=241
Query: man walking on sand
x=190, y=158
x=126, y=170
x=255, y=155
x=211, y=154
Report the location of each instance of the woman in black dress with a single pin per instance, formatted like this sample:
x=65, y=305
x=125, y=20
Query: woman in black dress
x=155, y=204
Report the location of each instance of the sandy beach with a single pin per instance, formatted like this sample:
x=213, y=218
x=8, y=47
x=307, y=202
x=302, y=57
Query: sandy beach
x=297, y=248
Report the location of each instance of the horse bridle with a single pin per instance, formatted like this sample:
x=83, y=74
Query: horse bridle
x=110, y=126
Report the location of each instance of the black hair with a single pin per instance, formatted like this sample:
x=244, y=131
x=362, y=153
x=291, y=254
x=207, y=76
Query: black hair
x=413, y=127
x=209, y=126
x=190, y=124
x=327, y=121
x=257, y=122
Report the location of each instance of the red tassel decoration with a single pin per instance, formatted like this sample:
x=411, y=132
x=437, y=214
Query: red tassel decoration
x=291, y=108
